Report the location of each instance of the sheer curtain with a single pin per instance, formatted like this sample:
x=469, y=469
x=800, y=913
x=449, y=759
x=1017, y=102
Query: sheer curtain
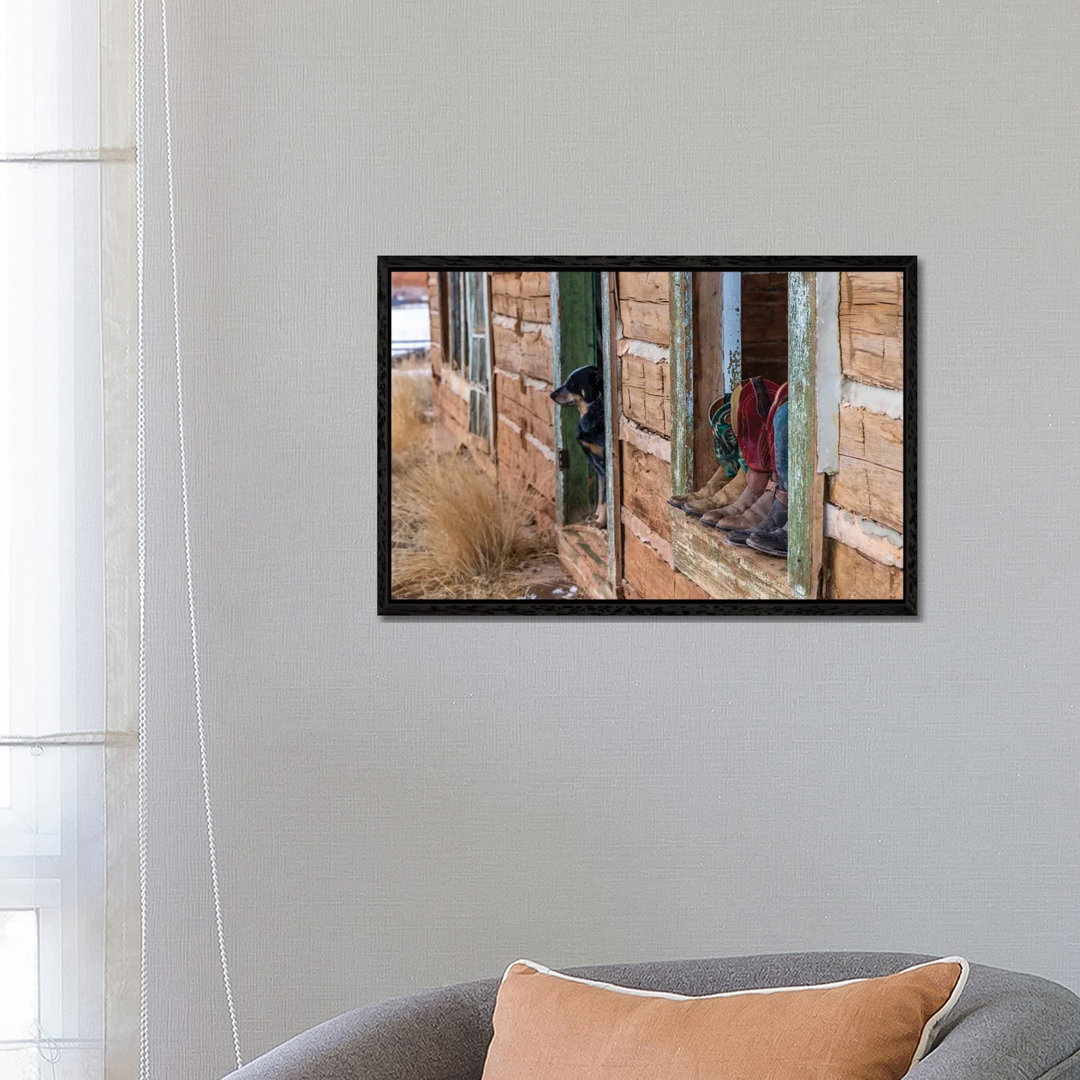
x=62, y=241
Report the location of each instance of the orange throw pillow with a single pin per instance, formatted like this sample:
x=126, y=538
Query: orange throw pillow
x=550, y=1026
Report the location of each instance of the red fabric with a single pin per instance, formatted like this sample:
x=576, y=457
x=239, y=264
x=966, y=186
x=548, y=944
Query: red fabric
x=753, y=425
x=778, y=400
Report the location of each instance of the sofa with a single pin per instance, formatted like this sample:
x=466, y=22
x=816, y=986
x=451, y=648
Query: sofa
x=1006, y=1026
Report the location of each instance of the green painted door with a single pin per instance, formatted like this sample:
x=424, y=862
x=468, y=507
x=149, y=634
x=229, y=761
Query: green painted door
x=575, y=339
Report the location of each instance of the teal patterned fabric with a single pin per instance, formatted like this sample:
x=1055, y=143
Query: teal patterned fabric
x=724, y=441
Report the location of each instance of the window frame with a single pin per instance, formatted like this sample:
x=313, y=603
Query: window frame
x=718, y=568
x=571, y=470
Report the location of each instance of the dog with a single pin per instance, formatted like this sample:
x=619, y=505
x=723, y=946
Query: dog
x=584, y=388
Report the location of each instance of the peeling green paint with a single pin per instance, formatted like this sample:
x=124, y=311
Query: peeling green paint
x=682, y=381
x=609, y=361
x=573, y=344
x=802, y=429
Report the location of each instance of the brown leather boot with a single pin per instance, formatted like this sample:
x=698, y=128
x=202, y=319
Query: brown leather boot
x=754, y=515
x=715, y=482
x=754, y=485
x=724, y=496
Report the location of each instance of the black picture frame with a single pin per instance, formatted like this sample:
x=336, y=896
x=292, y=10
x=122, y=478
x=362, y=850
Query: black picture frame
x=387, y=605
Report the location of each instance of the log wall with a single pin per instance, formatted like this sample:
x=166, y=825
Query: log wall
x=864, y=519
x=522, y=374
x=643, y=337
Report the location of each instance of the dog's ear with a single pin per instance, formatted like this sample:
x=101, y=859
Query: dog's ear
x=596, y=383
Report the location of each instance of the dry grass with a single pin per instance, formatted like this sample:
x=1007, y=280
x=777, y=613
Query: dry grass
x=456, y=536
x=410, y=402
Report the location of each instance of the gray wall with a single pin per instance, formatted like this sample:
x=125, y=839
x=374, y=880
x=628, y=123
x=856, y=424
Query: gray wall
x=402, y=804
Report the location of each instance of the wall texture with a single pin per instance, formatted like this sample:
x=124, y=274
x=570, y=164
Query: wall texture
x=409, y=803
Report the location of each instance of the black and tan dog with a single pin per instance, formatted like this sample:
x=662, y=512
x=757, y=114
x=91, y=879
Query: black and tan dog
x=584, y=389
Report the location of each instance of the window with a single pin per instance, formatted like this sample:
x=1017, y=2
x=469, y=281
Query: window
x=478, y=358
x=464, y=299
x=52, y=563
x=726, y=328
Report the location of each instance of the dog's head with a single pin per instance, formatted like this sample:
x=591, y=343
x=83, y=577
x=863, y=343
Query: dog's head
x=585, y=384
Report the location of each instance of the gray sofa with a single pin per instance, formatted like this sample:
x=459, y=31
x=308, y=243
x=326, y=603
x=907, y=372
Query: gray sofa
x=1005, y=1026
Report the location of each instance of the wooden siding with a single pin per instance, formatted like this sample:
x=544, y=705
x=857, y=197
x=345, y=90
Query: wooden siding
x=647, y=576
x=646, y=484
x=522, y=463
x=850, y=575
x=645, y=391
x=644, y=320
x=528, y=404
x=870, y=490
x=869, y=481
x=650, y=287
x=516, y=283
x=522, y=363
x=871, y=436
x=523, y=350
x=872, y=328
x=451, y=410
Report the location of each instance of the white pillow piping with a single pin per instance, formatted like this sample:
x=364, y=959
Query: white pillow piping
x=921, y=1050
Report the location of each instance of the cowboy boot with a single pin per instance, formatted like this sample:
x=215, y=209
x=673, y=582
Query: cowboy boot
x=753, y=515
x=724, y=496
x=770, y=542
x=716, y=483
x=776, y=520
x=754, y=485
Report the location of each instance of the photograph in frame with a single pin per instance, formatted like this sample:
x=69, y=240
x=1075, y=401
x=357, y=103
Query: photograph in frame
x=647, y=436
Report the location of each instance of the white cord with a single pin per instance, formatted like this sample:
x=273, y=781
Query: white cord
x=211, y=847
x=140, y=215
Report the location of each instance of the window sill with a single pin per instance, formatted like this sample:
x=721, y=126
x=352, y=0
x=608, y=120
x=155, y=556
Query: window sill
x=583, y=550
x=723, y=571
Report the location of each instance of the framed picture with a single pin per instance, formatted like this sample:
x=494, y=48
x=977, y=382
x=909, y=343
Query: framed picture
x=647, y=436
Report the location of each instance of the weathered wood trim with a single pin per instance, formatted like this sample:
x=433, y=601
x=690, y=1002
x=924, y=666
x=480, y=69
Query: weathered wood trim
x=583, y=552
x=643, y=439
x=682, y=381
x=649, y=536
x=829, y=376
x=805, y=488
x=612, y=368
x=731, y=328
x=721, y=570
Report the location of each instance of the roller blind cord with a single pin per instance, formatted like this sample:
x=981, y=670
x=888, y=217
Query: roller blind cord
x=140, y=98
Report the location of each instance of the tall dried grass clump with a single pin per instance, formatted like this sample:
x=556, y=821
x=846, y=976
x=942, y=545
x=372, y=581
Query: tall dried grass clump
x=410, y=400
x=456, y=536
